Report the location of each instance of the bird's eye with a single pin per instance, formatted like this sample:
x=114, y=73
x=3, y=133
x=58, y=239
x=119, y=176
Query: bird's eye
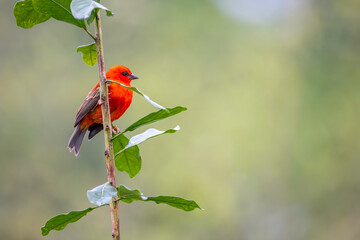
x=125, y=74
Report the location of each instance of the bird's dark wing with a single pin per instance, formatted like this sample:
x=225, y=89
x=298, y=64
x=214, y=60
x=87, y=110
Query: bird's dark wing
x=89, y=104
x=94, y=129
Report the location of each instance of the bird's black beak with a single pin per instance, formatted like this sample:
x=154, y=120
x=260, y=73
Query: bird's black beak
x=133, y=76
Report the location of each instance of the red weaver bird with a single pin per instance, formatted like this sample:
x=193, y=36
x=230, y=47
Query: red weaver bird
x=89, y=116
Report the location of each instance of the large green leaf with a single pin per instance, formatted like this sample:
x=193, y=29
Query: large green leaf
x=82, y=9
x=155, y=116
x=26, y=16
x=58, y=9
x=59, y=222
x=177, y=202
x=128, y=160
x=128, y=195
x=137, y=139
x=134, y=89
x=102, y=194
x=89, y=54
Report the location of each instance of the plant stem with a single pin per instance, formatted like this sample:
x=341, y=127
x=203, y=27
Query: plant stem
x=87, y=31
x=105, y=107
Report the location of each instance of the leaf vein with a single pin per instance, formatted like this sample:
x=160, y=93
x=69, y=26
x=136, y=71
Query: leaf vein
x=66, y=10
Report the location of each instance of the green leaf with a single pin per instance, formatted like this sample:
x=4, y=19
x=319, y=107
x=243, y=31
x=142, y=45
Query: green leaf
x=109, y=13
x=177, y=202
x=26, y=16
x=89, y=54
x=128, y=195
x=82, y=9
x=92, y=17
x=58, y=9
x=102, y=194
x=127, y=154
x=134, y=89
x=150, y=133
x=128, y=160
x=59, y=222
x=155, y=116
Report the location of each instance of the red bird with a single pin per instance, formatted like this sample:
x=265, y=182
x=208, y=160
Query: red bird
x=89, y=116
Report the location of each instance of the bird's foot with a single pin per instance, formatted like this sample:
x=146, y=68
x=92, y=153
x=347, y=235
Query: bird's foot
x=115, y=129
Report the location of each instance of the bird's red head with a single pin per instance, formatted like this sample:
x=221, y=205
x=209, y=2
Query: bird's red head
x=121, y=74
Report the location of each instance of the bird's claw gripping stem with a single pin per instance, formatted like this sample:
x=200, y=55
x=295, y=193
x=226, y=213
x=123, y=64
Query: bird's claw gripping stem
x=115, y=129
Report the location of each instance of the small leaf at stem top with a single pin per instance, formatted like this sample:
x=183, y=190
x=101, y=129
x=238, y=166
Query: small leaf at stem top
x=89, y=54
x=26, y=16
x=102, y=194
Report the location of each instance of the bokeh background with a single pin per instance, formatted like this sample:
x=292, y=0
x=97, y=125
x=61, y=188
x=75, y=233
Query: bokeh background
x=269, y=146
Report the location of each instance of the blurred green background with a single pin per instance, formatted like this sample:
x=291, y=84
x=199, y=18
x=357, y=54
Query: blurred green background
x=269, y=146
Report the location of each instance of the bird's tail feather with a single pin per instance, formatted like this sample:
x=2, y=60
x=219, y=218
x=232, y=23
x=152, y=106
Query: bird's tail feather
x=76, y=140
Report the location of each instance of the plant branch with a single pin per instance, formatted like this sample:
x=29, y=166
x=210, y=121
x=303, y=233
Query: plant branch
x=87, y=31
x=105, y=107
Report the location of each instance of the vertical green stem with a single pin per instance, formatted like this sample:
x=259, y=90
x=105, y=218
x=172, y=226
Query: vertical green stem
x=105, y=107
